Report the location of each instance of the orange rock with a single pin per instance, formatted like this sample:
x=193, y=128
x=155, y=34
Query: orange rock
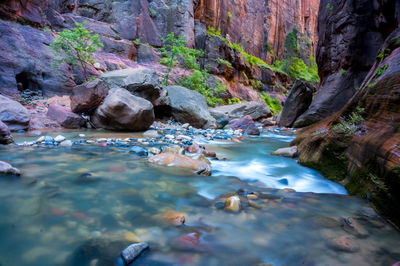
x=173, y=217
x=170, y=159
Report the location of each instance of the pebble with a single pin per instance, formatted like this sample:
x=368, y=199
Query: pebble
x=173, y=217
x=169, y=136
x=59, y=138
x=133, y=251
x=81, y=135
x=40, y=139
x=131, y=237
x=66, y=143
x=232, y=204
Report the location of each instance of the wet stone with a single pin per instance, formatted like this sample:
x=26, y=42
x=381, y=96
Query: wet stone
x=139, y=151
x=133, y=251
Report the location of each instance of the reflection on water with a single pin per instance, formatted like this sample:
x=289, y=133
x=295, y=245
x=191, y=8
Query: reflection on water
x=69, y=196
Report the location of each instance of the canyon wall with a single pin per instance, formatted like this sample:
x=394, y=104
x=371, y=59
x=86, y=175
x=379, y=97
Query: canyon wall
x=363, y=153
x=350, y=35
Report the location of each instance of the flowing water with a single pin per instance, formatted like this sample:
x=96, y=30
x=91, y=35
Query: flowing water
x=80, y=205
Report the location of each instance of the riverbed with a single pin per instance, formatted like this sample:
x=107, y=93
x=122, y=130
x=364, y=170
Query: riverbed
x=71, y=197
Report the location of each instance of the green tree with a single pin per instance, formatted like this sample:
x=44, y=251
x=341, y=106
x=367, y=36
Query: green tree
x=174, y=51
x=77, y=46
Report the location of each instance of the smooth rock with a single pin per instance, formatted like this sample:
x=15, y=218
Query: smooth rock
x=297, y=102
x=13, y=114
x=232, y=204
x=188, y=106
x=141, y=82
x=65, y=117
x=140, y=151
x=344, y=243
x=290, y=152
x=257, y=110
x=246, y=124
x=59, y=138
x=151, y=134
x=173, y=217
x=182, y=161
x=133, y=251
x=5, y=134
x=40, y=139
x=85, y=98
x=66, y=143
x=123, y=111
x=7, y=169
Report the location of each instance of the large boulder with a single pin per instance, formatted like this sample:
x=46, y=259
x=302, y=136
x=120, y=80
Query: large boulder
x=189, y=106
x=257, y=110
x=122, y=110
x=297, y=102
x=65, y=117
x=142, y=82
x=88, y=96
x=5, y=135
x=13, y=114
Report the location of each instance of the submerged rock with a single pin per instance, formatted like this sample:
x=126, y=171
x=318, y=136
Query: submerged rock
x=5, y=134
x=173, y=217
x=105, y=251
x=232, y=204
x=6, y=168
x=133, y=251
x=182, y=161
x=290, y=152
x=344, y=243
x=139, y=151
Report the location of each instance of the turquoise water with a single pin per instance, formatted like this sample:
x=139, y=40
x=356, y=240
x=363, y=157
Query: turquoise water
x=68, y=196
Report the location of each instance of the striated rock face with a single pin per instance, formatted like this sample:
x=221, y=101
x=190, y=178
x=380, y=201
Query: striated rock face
x=24, y=11
x=253, y=23
x=367, y=162
x=350, y=35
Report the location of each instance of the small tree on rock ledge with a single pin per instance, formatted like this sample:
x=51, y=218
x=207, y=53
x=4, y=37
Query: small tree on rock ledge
x=76, y=47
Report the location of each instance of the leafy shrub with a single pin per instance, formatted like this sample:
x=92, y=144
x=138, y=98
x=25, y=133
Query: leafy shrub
x=233, y=101
x=350, y=125
x=174, y=50
x=223, y=62
x=77, y=46
x=273, y=104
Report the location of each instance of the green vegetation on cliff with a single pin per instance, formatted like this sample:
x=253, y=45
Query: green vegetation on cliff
x=175, y=52
x=77, y=46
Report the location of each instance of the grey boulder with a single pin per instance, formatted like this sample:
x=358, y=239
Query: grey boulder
x=141, y=82
x=189, y=106
x=123, y=111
